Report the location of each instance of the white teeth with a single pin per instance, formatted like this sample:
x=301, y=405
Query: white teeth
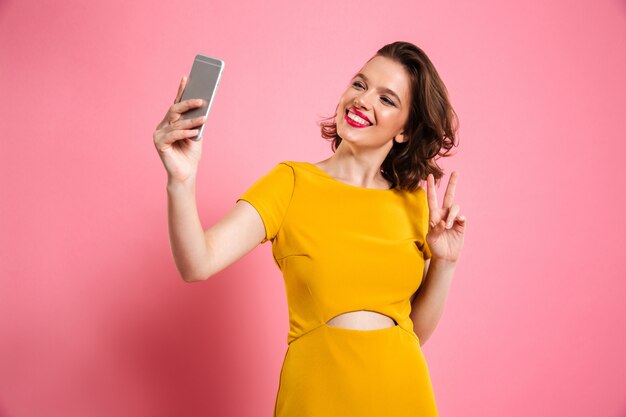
x=357, y=118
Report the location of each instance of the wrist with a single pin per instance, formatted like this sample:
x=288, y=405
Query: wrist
x=442, y=262
x=174, y=185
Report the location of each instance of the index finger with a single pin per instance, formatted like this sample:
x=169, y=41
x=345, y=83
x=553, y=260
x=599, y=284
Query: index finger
x=177, y=109
x=448, y=198
x=186, y=105
x=431, y=193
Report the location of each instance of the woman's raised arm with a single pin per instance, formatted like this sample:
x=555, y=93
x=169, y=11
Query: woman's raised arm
x=198, y=254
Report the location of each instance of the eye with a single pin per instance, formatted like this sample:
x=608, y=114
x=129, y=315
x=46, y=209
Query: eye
x=384, y=99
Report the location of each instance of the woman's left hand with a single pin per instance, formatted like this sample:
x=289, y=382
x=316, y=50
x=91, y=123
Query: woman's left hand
x=446, y=226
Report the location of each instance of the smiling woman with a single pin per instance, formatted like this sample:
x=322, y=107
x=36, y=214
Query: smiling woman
x=366, y=254
x=402, y=83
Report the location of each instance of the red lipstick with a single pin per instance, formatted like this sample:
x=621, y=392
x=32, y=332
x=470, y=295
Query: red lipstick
x=358, y=113
x=354, y=123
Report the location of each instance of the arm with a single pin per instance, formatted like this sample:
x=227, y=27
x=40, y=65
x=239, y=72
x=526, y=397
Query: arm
x=446, y=230
x=429, y=301
x=200, y=254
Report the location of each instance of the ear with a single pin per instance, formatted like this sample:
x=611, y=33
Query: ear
x=399, y=138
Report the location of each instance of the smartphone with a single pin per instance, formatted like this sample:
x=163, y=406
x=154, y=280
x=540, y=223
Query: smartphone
x=202, y=83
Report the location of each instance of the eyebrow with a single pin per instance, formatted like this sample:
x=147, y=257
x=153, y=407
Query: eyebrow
x=383, y=89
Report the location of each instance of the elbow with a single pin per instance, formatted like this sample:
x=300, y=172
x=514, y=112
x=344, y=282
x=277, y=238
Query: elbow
x=196, y=272
x=195, y=278
x=200, y=272
x=422, y=336
x=190, y=279
x=199, y=276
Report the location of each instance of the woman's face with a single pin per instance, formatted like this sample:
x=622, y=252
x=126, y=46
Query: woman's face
x=379, y=97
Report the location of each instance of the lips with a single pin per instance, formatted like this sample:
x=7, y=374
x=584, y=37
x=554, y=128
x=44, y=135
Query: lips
x=354, y=123
x=358, y=113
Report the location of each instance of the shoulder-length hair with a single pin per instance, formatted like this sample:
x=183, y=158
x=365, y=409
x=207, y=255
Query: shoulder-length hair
x=431, y=126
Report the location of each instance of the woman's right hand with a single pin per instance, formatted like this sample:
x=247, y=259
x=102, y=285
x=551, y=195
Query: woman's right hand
x=179, y=154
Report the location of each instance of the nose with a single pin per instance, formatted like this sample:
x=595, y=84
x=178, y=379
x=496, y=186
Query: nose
x=360, y=101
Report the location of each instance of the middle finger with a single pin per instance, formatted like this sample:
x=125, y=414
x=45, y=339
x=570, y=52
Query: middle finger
x=186, y=123
x=448, y=198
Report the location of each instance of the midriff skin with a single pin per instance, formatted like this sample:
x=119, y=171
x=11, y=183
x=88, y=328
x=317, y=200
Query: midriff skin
x=362, y=320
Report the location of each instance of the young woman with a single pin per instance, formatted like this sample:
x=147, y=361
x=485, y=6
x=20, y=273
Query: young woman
x=366, y=253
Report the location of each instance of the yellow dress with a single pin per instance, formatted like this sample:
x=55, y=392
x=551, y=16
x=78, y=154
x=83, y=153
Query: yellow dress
x=345, y=248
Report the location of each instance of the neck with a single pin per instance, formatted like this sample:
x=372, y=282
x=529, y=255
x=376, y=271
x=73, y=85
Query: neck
x=361, y=169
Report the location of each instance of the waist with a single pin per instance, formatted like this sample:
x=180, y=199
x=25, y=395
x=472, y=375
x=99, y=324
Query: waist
x=362, y=320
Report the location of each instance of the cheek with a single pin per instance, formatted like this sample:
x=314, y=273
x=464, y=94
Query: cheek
x=345, y=100
x=391, y=118
x=385, y=117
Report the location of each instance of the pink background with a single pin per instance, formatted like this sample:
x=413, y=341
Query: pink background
x=94, y=319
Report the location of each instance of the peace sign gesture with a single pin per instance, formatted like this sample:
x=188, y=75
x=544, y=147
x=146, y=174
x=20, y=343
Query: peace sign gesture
x=445, y=227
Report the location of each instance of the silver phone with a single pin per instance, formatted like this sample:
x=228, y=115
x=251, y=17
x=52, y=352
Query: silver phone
x=202, y=83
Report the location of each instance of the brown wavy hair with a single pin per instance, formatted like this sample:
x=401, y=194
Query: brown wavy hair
x=431, y=126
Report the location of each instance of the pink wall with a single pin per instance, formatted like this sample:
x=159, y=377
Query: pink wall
x=94, y=319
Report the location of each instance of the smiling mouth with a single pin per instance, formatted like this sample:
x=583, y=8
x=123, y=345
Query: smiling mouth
x=357, y=119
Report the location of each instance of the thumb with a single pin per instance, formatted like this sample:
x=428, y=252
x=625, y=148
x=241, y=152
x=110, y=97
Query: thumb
x=181, y=89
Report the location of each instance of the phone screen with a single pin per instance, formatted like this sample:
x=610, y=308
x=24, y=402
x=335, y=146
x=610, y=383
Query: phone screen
x=203, y=80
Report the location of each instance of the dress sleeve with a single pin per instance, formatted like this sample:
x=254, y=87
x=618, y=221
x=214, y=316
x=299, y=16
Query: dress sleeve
x=423, y=222
x=271, y=195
